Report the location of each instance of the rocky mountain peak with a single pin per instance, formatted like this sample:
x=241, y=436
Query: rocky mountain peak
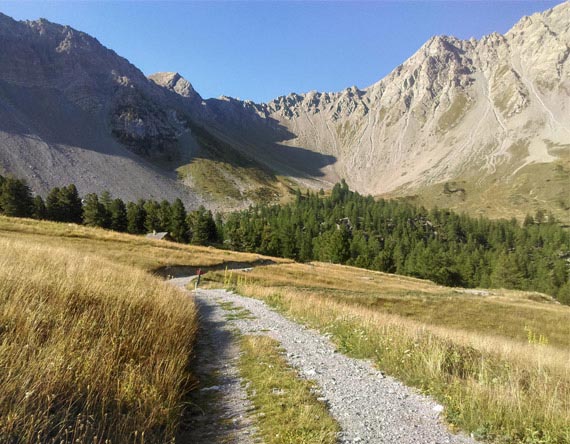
x=555, y=20
x=5, y=19
x=64, y=38
x=174, y=82
x=473, y=98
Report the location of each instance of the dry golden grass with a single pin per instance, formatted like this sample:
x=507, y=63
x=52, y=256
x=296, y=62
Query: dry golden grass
x=496, y=379
x=502, y=313
x=121, y=248
x=90, y=342
x=500, y=363
x=89, y=350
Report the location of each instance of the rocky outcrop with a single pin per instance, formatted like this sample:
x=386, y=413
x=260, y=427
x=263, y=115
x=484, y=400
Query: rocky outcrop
x=72, y=110
x=175, y=82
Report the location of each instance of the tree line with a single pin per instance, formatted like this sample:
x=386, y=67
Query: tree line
x=144, y=216
x=396, y=237
x=344, y=227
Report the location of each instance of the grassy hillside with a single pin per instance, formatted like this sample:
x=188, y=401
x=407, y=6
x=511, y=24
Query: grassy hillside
x=498, y=360
x=89, y=350
x=544, y=186
x=92, y=346
x=228, y=177
x=73, y=296
x=126, y=249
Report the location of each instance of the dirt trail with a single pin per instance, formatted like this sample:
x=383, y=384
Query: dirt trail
x=225, y=419
x=370, y=407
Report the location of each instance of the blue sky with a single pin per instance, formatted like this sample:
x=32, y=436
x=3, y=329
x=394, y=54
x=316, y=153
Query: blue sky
x=260, y=50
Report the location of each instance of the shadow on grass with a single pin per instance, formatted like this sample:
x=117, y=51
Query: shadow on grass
x=177, y=271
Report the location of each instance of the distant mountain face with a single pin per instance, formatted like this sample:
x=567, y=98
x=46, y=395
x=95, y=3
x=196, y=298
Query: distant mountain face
x=477, y=125
x=72, y=110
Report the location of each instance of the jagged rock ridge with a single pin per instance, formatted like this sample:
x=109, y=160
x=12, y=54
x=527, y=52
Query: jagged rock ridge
x=478, y=111
x=72, y=110
x=456, y=108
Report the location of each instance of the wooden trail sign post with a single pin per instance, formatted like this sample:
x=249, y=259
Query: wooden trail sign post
x=199, y=273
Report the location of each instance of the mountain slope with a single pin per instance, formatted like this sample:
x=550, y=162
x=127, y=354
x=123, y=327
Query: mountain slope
x=481, y=111
x=72, y=110
x=480, y=125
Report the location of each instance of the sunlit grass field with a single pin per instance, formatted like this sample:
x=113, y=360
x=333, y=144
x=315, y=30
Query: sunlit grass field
x=497, y=359
x=74, y=296
x=93, y=347
x=89, y=350
x=120, y=248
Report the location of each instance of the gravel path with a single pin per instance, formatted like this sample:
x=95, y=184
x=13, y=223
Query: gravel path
x=225, y=418
x=370, y=407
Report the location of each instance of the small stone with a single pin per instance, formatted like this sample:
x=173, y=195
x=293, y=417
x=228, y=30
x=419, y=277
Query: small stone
x=438, y=408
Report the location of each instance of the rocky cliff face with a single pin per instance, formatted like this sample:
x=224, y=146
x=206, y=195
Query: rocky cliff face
x=72, y=110
x=40, y=54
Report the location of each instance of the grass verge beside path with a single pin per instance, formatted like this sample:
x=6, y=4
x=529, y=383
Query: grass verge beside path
x=497, y=388
x=289, y=412
x=91, y=344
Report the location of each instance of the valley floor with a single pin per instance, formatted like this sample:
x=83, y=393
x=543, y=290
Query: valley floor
x=370, y=407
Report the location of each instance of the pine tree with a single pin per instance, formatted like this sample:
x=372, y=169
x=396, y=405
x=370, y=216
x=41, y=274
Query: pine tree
x=506, y=272
x=178, y=225
x=201, y=226
x=164, y=215
x=334, y=246
x=54, y=209
x=106, y=200
x=118, y=215
x=152, y=218
x=564, y=293
x=70, y=204
x=305, y=247
x=136, y=216
x=16, y=198
x=219, y=228
x=94, y=213
x=39, y=208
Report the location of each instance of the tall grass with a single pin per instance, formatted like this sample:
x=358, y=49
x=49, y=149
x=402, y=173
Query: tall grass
x=497, y=388
x=126, y=249
x=90, y=351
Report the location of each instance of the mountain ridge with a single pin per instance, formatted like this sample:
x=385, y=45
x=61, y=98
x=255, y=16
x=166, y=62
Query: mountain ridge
x=417, y=126
x=479, y=113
